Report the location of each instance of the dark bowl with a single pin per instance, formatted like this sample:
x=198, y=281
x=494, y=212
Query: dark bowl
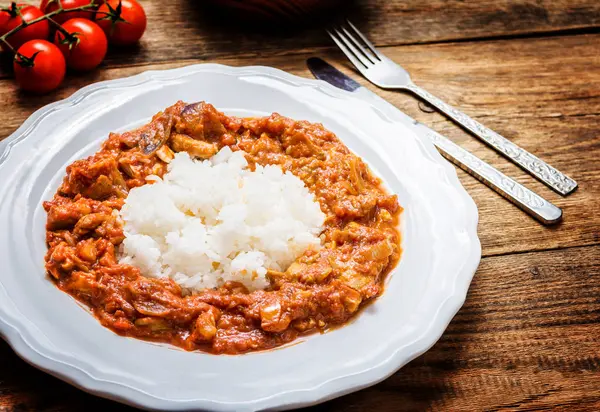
x=277, y=10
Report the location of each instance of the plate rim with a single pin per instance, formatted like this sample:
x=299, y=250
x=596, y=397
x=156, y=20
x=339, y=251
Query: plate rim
x=324, y=391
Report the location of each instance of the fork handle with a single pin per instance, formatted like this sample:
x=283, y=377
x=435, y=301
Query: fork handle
x=558, y=181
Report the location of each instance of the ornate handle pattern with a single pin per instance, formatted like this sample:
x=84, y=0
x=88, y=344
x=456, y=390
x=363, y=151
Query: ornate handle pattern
x=524, y=198
x=558, y=181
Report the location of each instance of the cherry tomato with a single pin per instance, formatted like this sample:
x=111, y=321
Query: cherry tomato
x=52, y=5
x=45, y=71
x=122, y=32
x=4, y=18
x=10, y=19
x=88, y=47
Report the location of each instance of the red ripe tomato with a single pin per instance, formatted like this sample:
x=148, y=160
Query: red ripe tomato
x=110, y=17
x=88, y=47
x=43, y=69
x=52, y=5
x=10, y=19
x=4, y=18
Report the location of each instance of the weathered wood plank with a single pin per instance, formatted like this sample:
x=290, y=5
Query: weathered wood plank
x=527, y=337
x=524, y=90
x=184, y=29
x=521, y=88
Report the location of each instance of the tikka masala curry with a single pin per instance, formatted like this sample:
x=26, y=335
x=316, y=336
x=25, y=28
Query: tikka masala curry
x=322, y=289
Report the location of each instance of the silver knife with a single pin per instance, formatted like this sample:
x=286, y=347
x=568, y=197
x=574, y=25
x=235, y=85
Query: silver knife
x=527, y=200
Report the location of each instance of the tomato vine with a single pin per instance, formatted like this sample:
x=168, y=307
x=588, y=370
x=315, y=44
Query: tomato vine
x=15, y=10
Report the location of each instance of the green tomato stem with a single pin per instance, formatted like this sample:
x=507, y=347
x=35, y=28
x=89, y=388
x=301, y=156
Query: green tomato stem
x=48, y=16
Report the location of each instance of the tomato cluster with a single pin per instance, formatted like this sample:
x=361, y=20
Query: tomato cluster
x=66, y=33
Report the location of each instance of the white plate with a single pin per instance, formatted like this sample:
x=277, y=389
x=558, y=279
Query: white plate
x=52, y=331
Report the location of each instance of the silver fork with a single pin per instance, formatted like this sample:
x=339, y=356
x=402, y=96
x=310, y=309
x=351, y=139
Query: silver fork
x=387, y=74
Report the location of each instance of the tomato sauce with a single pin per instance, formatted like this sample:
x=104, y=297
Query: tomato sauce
x=322, y=289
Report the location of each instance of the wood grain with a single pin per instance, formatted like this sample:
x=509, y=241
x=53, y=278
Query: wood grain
x=186, y=29
x=528, y=335
x=527, y=338
x=516, y=87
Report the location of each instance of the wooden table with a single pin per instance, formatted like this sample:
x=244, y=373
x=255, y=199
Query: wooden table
x=528, y=336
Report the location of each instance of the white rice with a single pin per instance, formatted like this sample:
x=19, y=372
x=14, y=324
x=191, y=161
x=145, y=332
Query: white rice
x=208, y=222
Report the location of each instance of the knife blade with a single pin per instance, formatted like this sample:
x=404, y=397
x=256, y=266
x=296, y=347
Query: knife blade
x=529, y=201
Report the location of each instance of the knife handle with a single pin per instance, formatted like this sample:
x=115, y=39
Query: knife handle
x=527, y=200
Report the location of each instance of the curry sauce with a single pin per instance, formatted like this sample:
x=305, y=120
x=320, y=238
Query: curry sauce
x=323, y=288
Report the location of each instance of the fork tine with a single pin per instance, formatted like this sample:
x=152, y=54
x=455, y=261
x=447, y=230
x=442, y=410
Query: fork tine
x=365, y=40
x=356, y=61
x=356, y=51
x=362, y=49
